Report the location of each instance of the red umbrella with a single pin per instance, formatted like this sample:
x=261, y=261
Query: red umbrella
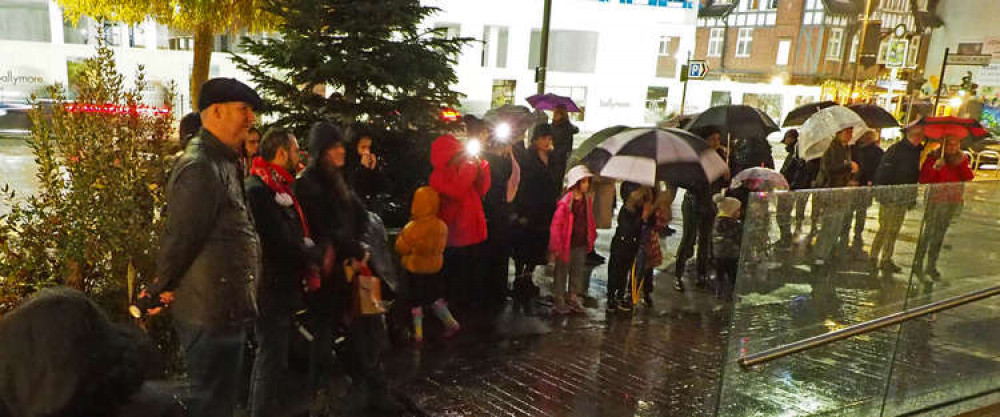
x=939, y=127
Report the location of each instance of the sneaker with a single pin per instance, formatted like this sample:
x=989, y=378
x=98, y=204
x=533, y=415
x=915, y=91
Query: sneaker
x=625, y=306
x=679, y=285
x=574, y=307
x=934, y=274
x=612, y=306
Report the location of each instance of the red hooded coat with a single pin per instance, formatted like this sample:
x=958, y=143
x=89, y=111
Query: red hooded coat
x=461, y=186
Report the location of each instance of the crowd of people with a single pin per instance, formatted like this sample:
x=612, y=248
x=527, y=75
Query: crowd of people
x=263, y=244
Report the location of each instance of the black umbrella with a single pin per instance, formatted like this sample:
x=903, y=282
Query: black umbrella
x=594, y=140
x=799, y=115
x=734, y=121
x=874, y=116
x=648, y=155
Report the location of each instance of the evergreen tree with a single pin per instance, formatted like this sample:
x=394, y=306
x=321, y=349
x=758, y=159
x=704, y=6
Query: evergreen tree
x=384, y=70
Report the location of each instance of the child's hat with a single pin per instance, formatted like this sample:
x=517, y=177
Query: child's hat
x=728, y=206
x=577, y=174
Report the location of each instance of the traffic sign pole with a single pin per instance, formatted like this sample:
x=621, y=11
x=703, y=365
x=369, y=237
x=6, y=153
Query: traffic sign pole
x=944, y=66
x=687, y=68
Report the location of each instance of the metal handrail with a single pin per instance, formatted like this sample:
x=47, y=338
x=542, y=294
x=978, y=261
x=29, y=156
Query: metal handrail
x=868, y=326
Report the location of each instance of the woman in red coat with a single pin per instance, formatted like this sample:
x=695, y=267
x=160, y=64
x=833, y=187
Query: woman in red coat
x=461, y=180
x=943, y=202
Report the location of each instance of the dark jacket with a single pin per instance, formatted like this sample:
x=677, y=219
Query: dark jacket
x=749, y=153
x=899, y=165
x=209, y=252
x=539, y=191
x=868, y=158
x=60, y=355
x=726, y=238
x=629, y=228
x=834, y=166
x=796, y=170
x=285, y=255
x=562, y=139
x=366, y=183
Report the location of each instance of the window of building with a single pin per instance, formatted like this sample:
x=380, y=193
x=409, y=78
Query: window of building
x=495, y=47
x=503, y=92
x=569, y=50
x=914, y=52
x=772, y=4
x=833, y=45
x=25, y=20
x=784, y=48
x=656, y=104
x=664, y=49
x=855, y=42
x=715, y=42
x=448, y=30
x=769, y=103
x=743, y=42
x=721, y=98
x=137, y=36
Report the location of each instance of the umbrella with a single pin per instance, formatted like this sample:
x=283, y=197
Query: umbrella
x=594, y=140
x=939, y=127
x=551, y=101
x=760, y=179
x=734, y=121
x=800, y=114
x=817, y=133
x=648, y=155
x=874, y=116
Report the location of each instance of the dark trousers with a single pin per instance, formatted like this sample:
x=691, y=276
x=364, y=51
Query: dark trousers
x=496, y=261
x=697, y=228
x=890, y=221
x=725, y=276
x=463, y=271
x=787, y=203
x=860, y=214
x=939, y=217
x=623, y=252
x=425, y=289
x=272, y=381
x=214, y=358
x=362, y=358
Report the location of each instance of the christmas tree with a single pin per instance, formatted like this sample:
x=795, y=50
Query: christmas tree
x=355, y=61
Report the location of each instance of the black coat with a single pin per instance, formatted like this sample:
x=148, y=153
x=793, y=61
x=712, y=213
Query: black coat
x=562, y=138
x=794, y=169
x=209, y=252
x=499, y=213
x=535, y=204
x=285, y=256
x=899, y=165
x=868, y=158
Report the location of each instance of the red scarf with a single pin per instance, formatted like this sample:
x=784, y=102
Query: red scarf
x=279, y=180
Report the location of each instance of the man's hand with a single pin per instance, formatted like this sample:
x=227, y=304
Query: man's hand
x=166, y=298
x=854, y=167
x=939, y=164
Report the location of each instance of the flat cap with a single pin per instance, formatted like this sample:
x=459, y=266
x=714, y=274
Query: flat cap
x=224, y=90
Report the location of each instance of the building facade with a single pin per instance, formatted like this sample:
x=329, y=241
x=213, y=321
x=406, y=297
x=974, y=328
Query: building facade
x=778, y=54
x=619, y=59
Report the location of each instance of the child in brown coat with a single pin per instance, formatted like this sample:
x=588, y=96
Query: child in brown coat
x=421, y=246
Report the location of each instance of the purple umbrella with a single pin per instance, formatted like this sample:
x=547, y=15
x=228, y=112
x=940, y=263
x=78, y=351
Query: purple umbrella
x=551, y=101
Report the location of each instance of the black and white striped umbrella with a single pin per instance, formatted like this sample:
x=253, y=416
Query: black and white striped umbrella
x=647, y=155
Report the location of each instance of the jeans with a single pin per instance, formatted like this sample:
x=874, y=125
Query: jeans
x=890, y=221
x=575, y=272
x=214, y=357
x=939, y=216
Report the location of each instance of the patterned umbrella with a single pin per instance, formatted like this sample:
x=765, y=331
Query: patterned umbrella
x=817, y=133
x=551, y=101
x=800, y=114
x=594, y=140
x=648, y=155
x=760, y=179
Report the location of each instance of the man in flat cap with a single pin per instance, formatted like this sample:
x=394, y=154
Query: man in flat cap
x=209, y=251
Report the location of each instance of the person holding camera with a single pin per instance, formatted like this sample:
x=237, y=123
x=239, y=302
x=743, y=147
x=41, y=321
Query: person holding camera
x=363, y=169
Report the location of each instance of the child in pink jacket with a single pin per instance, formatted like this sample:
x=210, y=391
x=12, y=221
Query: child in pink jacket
x=571, y=238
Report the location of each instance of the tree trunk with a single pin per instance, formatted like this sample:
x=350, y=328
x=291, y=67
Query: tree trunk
x=204, y=42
